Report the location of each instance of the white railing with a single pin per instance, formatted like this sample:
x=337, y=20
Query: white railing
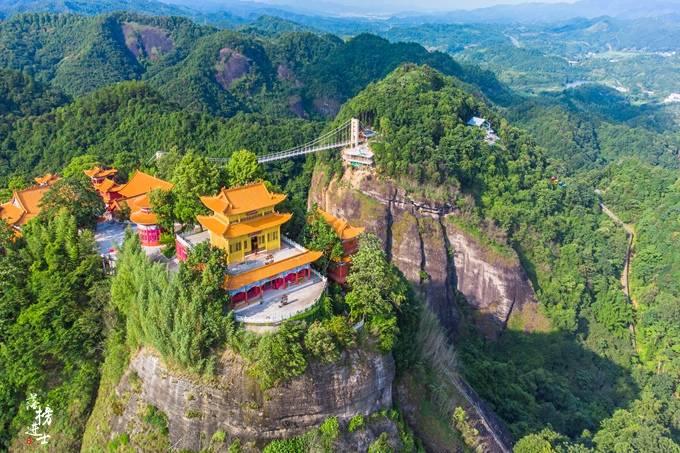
x=274, y=320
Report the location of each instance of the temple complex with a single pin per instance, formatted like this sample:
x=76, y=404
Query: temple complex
x=25, y=204
x=115, y=195
x=349, y=236
x=263, y=265
x=134, y=195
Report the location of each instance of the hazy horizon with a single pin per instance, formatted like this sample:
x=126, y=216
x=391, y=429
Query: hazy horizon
x=376, y=6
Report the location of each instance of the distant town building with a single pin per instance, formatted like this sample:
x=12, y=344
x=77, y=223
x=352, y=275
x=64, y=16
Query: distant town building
x=491, y=138
x=25, y=204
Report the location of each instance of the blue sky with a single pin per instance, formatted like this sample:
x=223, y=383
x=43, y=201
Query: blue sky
x=405, y=5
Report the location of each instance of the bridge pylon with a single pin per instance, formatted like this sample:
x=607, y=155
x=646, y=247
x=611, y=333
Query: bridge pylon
x=354, y=131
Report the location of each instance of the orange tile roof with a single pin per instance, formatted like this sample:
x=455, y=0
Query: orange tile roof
x=142, y=202
x=10, y=213
x=213, y=224
x=107, y=185
x=235, y=230
x=48, y=178
x=144, y=218
x=140, y=184
x=341, y=227
x=142, y=214
x=233, y=282
x=25, y=204
x=100, y=172
x=238, y=200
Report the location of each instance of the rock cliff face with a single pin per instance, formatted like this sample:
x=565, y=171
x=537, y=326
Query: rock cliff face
x=438, y=257
x=360, y=383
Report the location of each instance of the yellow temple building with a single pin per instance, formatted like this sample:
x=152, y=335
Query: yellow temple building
x=244, y=220
x=246, y=225
x=25, y=204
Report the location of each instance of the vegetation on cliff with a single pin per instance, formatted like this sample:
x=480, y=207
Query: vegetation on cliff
x=572, y=253
x=53, y=301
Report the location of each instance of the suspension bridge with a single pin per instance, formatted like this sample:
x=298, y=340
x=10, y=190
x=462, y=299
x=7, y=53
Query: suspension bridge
x=350, y=133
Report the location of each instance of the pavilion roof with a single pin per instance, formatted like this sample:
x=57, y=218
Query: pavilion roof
x=341, y=227
x=238, y=200
x=25, y=204
x=141, y=183
x=233, y=282
x=100, y=172
x=48, y=178
x=234, y=230
x=107, y=185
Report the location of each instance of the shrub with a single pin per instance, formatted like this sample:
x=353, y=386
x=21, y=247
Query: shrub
x=220, y=436
x=279, y=355
x=235, y=446
x=462, y=425
x=330, y=429
x=380, y=445
x=356, y=423
x=156, y=418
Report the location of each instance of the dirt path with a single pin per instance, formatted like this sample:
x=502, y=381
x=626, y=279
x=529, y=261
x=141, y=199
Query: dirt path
x=630, y=235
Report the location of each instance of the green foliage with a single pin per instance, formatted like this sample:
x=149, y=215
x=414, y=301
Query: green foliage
x=326, y=339
x=330, y=428
x=194, y=176
x=356, y=423
x=78, y=164
x=51, y=304
x=460, y=422
x=376, y=292
x=220, y=436
x=75, y=195
x=279, y=355
x=121, y=440
x=319, y=235
x=380, y=445
x=235, y=447
x=243, y=168
x=156, y=417
x=22, y=96
x=546, y=441
x=181, y=314
x=163, y=205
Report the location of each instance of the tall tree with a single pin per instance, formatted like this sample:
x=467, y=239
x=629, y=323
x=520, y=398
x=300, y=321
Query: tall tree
x=193, y=177
x=75, y=195
x=243, y=168
x=320, y=236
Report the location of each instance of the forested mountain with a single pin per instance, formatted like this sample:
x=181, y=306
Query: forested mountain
x=601, y=372
x=220, y=72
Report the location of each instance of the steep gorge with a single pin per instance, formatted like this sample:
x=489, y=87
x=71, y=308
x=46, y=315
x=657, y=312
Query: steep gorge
x=439, y=257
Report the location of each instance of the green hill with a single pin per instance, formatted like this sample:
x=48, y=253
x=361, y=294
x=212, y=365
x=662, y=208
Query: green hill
x=221, y=72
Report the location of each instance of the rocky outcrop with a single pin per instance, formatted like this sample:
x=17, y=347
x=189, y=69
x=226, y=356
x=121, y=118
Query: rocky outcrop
x=146, y=41
x=360, y=383
x=423, y=240
x=232, y=65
